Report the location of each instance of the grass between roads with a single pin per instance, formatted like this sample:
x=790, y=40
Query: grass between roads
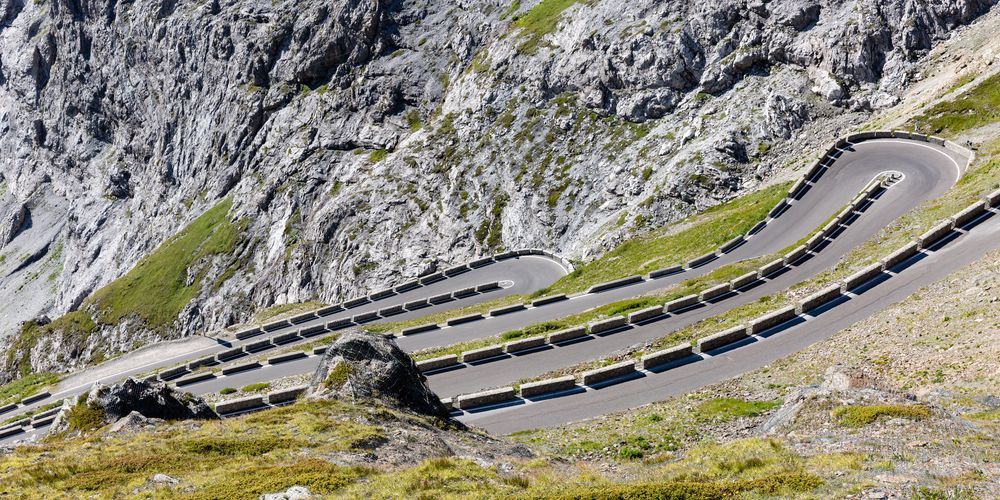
x=26, y=386
x=706, y=232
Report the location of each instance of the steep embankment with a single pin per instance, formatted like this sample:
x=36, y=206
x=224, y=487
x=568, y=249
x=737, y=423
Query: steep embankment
x=359, y=141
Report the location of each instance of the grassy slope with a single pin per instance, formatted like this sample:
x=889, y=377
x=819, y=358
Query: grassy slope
x=273, y=450
x=154, y=291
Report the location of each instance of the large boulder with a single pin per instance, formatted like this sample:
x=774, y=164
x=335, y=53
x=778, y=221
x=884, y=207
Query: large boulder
x=361, y=367
x=134, y=399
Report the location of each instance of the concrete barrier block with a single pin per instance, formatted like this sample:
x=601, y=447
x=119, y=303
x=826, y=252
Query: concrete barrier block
x=320, y=350
x=819, y=298
x=715, y=291
x=282, y=358
x=286, y=395
x=936, y=140
x=313, y=331
x=855, y=138
x=969, y=213
x=993, y=198
x=286, y=338
x=772, y=267
x=455, y=271
x=666, y=271
x=239, y=405
x=391, y=311
x=431, y=278
x=440, y=299
x=241, y=368
x=665, y=356
x=381, y=294
x=830, y=227
x=645, y=314
x=416, y=304
x=813, y=170
x=437, y=363
x=17, y=424
x=419, y=329
x=704, y=259
x=547, y=386
x=245, y=334
x=883, y=134
x=794, y=191
x=900, y=255
x=302, y=318
x=173, y=373
x=778, y=209
x=481, y=353
x=13, y=431
x=919, y=137
x=328, y=310
x=744, y=280
x=731, y=244
x=567, y=334
x=500, y=311
x=35, y=398
x=448, y=403
x=464, y=319
x=723, y=338
x=526, y=251
x=261, y=345
x=47, y=413
x=488, y=286
x=548, y=300
x=607, y=325
x=607, y=373
x=615, y=284
x=899, y=134
x=524, y=344
x=935, y=233
x=815, y=240
x=363, y=318
x=230, y=354
x=405, y=287
x=485, y=398
x=757, y=228
x=209, y=361
x=339, y=324
x=464, y=292
x=863, y=276
x=505, y=256
x=681, y=303
x=481, y=262
x=8, y=408
x=277, y=325
x=193, y=379
x=771, y=320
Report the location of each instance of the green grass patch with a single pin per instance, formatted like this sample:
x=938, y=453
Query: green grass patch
x=862, y=415
x=972, y=109
x=541, y=20
x=227, y=391
x=730, y=408
x=84, y=416
x=708, y=232
x=263, y=386
x=992, y=415
x=26, y=386
x=338, y=375
x=283, y=310
x=157, y=288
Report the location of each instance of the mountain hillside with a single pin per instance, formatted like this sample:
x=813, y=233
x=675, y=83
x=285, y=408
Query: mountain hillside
x=171, y=167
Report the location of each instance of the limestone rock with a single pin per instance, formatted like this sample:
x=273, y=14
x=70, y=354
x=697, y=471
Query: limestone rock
x=363, y=367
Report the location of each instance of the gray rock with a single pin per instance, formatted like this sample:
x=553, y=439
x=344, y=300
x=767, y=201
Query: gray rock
x=293, y=493
x=134, y=405
x=364, y=367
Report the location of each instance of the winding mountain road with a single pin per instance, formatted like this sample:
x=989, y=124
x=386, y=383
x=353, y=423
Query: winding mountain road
x=927, y=171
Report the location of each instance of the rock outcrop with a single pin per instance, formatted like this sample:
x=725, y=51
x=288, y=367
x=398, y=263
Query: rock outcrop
x=130, y=405
x=361, y=142
x=371, y=368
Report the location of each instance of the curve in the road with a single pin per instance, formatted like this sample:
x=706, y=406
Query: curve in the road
x=837, y=177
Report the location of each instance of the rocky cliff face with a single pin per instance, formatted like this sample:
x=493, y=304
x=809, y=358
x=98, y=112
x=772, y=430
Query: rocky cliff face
x=345, y=144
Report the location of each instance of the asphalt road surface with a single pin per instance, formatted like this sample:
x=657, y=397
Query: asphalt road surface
x=928, y=171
